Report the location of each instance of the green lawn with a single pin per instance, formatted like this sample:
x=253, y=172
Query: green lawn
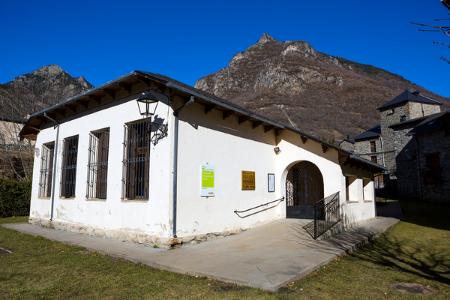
x=416, y=250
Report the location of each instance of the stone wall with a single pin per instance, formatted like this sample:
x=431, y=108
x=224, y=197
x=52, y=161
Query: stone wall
x=390, y=145
x=363, y=149
x=406, y=161
x=395, y=140
x=433, y=142
x=418, y=110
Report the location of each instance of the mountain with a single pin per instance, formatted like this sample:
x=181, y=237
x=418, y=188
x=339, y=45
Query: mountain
x=329, y=96
x=34, y=91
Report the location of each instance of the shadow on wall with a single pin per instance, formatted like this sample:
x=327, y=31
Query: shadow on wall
x=408, y=184
x=195, y=116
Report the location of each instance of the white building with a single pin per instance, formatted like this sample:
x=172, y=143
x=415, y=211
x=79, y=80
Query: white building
x=197, y=165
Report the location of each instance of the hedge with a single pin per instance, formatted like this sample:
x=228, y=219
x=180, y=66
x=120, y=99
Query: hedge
x=14, y=198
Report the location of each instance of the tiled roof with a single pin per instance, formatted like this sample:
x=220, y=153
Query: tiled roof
x=406, y=96
x=433, y=122
x=369, y=134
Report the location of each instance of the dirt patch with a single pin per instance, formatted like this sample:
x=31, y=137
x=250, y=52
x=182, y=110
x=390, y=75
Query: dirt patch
x=412, y=288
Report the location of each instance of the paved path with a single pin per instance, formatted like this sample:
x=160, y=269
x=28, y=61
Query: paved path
x=267, y=257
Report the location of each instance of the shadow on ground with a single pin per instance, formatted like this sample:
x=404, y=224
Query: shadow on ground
x=409, y=256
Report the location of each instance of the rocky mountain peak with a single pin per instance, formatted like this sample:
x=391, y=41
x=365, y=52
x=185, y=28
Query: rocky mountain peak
x=84, y=83
x=49, y=70
x=295, y=84
x=38, y=89
x=266, y=38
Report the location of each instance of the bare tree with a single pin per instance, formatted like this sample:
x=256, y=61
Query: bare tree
x=439, y=27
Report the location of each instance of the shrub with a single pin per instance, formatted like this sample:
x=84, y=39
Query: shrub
x=14, y=198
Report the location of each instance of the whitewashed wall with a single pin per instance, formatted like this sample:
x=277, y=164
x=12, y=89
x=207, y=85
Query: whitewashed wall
x=203, y=138
x=231, y=148
x=149, y=217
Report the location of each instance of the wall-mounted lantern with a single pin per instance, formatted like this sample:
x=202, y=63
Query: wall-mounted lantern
x=147, y=103
x=277, y=150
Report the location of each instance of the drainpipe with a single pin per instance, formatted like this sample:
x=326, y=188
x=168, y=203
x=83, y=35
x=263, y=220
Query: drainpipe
x=175, y=164
x=55, y=155
x=382, y=153
x=419, y=172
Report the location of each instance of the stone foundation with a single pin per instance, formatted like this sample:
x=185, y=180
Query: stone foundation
x=131, y=235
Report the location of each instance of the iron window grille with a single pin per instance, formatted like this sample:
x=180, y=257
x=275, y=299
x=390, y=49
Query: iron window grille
x=46, y=172
x=136, y=160
x=97, y=164
x=69, y=167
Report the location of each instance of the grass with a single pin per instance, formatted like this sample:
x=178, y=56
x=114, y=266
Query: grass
x=416, y=250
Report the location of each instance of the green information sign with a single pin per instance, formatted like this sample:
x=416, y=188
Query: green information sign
x=207, y=180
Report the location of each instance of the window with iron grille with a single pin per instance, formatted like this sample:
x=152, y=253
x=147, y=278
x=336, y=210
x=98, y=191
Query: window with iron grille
x=69, y=167
x=46, y=172
x=98, y=164
x=373, y=146
x=432, y=168
x=136, y=161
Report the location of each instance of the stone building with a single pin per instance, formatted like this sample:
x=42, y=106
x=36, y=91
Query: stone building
x=432, y=138
x=391, y=143
x=369, y=145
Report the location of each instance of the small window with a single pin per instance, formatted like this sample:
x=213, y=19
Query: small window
x=402, y=118
x=349, y=187
x=432, y=168
x=136, y=162
x=379, y=181
x=46, y=173
x=69, y=167
x=374, y=159
x=373, y=146
x=98, y=164
x=368, y=191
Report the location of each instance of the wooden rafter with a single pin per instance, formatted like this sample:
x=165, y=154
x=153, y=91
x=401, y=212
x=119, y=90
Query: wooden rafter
x=97, y=99
x=256, y=124
x=127, y=87
x=304, y=139
x=268, y=128
x=71, y=108
x=324, y=148
x=84, y=103
x=226, y=114
x=208, y=108
x=110, y=92
x=242, y=119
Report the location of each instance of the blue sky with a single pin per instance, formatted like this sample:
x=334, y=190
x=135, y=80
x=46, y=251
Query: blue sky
x=102, y=40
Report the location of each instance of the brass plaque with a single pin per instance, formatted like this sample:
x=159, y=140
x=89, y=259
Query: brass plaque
x=248, y=180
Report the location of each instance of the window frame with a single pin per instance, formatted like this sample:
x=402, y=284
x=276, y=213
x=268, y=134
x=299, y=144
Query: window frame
x=374, y=148
x=131, y=168
x=433, y=168
x=46, y=174
x=65, y=168
x=98, y=160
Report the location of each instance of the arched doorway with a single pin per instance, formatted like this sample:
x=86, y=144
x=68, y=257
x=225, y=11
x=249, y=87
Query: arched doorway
x=304, y=186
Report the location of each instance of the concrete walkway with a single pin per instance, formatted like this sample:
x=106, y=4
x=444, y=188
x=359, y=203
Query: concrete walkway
x=266, y=257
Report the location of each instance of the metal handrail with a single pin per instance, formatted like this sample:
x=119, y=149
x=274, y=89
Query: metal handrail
x=329, y=210
x=237, y=212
